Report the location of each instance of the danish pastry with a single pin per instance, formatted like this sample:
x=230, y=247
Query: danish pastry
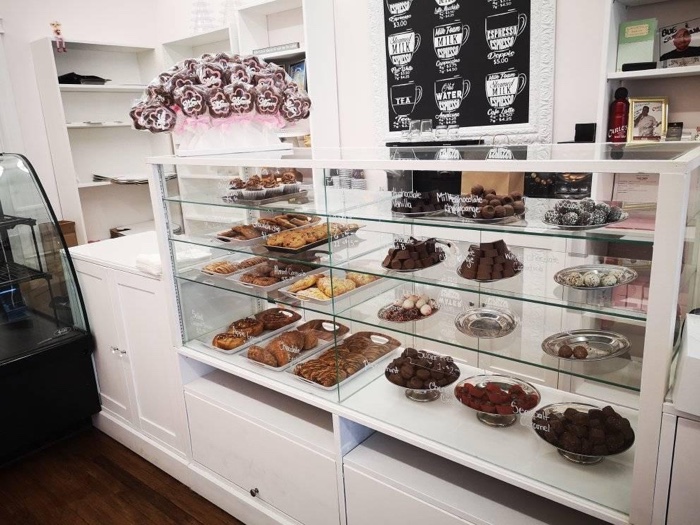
x=275, y=318
x=220, y=267
x=249, y=327
x=227, y=341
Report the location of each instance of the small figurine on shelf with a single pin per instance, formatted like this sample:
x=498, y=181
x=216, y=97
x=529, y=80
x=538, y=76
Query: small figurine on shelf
x=58, y=37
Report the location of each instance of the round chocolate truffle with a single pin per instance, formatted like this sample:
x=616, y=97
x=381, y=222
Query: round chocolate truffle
x=477, y=190
x=570, y=218
x=518, y=207
x=587, y=205
x=509, y=210
x=495, y=202
x=500, y=211
x=615, y=214
x=488, y=212
x=565, y=351
x=507, y=199
x=580, y=352
x=489, y=191
x=516, y=195
x=599, y=217
x=552, y=217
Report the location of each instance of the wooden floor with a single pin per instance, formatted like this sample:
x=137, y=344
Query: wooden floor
x=90, y=479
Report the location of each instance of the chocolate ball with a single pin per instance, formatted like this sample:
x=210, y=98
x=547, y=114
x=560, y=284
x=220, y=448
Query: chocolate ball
x=423, y=374
x=397, y=379
x=519, y=207
x=407, y=371
x=477, y=190
x=565, y=351
x=507, y=199
x=510, y=211
x=489, y=191
x=495, y=202
x=500, y=211
x=488, y=212
x=415, y=383
x=580, y=352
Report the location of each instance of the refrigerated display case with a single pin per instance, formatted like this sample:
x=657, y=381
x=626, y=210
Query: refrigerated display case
x=576, y=302
x=47, y=382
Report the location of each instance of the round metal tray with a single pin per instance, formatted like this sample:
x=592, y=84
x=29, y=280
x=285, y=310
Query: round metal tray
x=628, y=275
x=601, y=345
x=417, y=214
x=500, y=220
x=624, y=217
x=486, y=323
x=540, y=426
x=504, y=382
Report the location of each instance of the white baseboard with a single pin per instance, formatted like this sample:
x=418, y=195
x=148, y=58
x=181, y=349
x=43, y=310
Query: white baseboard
x=165, y=459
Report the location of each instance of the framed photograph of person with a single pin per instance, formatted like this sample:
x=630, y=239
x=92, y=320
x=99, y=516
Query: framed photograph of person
x=298, y=73
x=679, y=44
x=648, y=119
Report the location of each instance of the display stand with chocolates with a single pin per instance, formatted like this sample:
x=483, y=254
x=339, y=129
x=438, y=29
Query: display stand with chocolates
x=490, y=261
x=412, y=255
x=487, y=207
x=422, y=373
x=222, y=103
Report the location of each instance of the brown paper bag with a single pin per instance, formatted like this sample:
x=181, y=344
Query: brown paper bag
x=502, y=182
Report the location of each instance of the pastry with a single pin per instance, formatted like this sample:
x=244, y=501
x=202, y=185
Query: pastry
x=261, y=355
x=313, y=293
x=360, y=279
x=228, y=341
x=304, y=283
x=310, y=339
x=326, y=330
x=220, y=267
x=275, y=318
x=335, y=286
x=248, y=327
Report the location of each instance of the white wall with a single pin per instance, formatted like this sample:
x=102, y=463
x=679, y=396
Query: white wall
x=126, y=21
x=577, y=69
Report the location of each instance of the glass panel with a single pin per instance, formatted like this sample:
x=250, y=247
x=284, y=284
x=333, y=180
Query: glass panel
x=39, y=304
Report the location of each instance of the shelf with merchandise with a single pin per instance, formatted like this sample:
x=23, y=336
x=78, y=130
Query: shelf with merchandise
x=663, y=288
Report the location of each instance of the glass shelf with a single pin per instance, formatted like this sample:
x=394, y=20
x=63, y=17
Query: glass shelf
x=375, y=207
x=365, y=251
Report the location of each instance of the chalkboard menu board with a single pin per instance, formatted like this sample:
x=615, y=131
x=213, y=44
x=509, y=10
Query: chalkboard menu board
x=463, y=62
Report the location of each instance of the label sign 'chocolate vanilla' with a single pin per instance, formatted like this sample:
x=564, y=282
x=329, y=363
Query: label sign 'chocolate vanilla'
x=477, y=66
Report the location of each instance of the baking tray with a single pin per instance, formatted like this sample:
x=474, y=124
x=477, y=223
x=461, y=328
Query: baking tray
x=498, y=322
x=236, y=277
x=230, y=258
x=628, y=275
x=601, y=345
x=314, y=244
x=207, y=338
x=300, y=197
x=353, y=376
x=304, y=354
x=336, y=273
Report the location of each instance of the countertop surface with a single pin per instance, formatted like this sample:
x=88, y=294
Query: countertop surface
x=119, y=253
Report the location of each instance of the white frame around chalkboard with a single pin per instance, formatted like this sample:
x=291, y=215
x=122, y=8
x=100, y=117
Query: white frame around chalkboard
x=541, y=78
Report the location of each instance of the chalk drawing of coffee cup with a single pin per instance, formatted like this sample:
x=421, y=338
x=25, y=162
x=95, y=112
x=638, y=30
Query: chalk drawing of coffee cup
x=451, y=92
x=504, y=28
x=404, y=98
x=443, y=3
x=401, y=47
x=502, y=88
x=448, y=39
x=398, y=7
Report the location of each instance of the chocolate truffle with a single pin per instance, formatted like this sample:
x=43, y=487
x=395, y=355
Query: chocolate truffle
x=565, y=351
x=509, y=210
x=477, y=189
x=580, y=352
x=488, y=212
x=500, y=211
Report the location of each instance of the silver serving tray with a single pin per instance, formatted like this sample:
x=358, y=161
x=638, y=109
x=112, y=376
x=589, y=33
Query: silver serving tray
x=486, y=323
x=539, y=423
x=322, y=345
x=601, y=345
x=300, y=197
x=418, y=214
x=624, y=217
x=207, y=338
x=368, y=365
x=421, y=318
x=628, y=275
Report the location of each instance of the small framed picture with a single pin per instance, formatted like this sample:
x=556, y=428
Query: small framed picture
x=679, y=44
x=298, y=73
x=648, y=119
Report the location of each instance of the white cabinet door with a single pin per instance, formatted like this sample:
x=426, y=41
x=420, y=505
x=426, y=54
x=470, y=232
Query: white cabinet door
x=683, y=504
x=144, y=332
x=95, y=284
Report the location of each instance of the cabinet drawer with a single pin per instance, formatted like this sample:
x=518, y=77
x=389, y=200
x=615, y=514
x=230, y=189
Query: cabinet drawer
x=371, y=501
x=292, y=478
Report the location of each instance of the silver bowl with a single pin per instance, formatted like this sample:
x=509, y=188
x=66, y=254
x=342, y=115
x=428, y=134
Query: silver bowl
x=486, y=323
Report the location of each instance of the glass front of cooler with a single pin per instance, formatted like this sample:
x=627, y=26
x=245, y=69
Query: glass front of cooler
x=505, y=327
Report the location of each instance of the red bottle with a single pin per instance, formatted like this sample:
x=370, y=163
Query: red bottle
x=618, y=117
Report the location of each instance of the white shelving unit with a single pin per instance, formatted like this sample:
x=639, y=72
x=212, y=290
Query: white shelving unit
x=680, y=84
x=90, y=132
x=222, y=40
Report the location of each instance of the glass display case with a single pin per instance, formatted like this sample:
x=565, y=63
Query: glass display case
x=435, y=303
x=45, y=344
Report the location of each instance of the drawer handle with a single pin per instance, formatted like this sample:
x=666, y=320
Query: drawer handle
x=254, y=492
